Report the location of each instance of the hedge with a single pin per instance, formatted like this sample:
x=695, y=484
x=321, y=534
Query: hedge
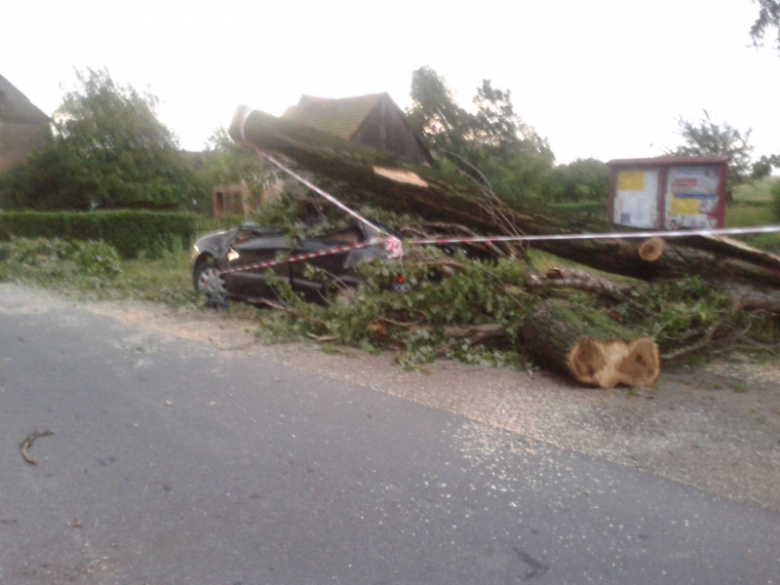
x=581, y=206
x=130, y=232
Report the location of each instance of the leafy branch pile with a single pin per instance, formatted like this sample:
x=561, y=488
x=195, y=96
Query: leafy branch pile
x=476, y=310
x=471, y=315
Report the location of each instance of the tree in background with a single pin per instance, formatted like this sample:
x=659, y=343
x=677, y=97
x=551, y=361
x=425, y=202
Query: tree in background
x=584, y=180
x=225, y=163
x=768, y=18
x=108, y=151
x=491, y=143
x=706, y=138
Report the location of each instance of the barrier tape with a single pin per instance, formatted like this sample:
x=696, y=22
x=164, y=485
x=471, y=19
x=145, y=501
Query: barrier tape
x=298, y=258
x=474, y=240
x=604, y=236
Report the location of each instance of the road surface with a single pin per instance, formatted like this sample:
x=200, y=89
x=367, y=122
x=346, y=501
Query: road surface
x=174, y=462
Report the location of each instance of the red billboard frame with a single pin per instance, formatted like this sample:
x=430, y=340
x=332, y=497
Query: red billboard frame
x=663, y=164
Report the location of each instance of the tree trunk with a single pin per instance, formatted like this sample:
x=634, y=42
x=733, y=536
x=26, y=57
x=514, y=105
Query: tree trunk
x=403, y=187
x=590, y=346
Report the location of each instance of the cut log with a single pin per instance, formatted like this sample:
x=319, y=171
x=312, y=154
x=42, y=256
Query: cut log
x=436, y=197
x=651, y=249
x=590, y=346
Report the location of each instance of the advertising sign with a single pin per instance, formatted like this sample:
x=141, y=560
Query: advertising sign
x=668, y=192
x=692, y=197
x=635, y=202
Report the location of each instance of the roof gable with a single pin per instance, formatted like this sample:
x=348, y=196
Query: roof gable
x=340, y=117
x=15, y=107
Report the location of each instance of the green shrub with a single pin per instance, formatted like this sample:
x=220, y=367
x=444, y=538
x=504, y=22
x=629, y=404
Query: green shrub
x=129, y=232
x=45, y=260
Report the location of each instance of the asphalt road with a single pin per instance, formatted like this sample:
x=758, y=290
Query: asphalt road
x=174, y=462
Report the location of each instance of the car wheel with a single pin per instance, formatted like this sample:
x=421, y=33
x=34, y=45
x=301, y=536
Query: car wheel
x=207, y=280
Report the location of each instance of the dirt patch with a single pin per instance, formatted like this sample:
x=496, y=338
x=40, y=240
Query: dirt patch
x=715, y=427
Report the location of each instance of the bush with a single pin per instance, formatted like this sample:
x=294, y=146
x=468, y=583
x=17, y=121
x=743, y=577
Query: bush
x=129, y=232
x=43, y=260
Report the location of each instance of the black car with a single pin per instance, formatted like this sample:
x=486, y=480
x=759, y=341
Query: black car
x=218, y=260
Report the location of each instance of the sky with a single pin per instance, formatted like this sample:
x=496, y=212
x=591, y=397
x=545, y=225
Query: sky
x=606, y=79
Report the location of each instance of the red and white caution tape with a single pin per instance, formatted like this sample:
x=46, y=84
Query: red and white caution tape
x=434, y=241
x=297, y=258
x=604, y=236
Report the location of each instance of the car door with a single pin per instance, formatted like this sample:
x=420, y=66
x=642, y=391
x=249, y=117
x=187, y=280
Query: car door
x=334, y=267
x=249, y=247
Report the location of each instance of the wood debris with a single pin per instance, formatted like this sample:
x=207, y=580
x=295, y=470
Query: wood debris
x=27, y=444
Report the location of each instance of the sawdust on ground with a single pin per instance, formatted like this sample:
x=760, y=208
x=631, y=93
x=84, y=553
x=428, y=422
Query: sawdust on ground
x=714, y=427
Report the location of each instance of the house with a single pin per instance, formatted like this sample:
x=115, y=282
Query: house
x=371, y=120
x=23, y=126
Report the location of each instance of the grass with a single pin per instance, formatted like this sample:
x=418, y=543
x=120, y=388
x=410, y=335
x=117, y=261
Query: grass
x=149, y=278
x=749, y=214
x=753, y=206
x=758, y=192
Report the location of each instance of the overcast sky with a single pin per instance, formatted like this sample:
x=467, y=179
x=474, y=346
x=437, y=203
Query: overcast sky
x=599, y=78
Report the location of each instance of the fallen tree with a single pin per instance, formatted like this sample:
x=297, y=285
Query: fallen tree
x=620, y=342
x=425, y=192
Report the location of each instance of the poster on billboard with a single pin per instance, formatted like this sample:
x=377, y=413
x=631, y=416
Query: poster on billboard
x=692, y=197
x=635, y=203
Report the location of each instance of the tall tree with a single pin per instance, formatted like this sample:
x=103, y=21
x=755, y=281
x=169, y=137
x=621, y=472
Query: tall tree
x=491, y=142
x=108, y=150
x=705, y=137
x=768, y=18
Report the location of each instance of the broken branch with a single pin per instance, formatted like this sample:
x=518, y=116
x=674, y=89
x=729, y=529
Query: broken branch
x=27, y=444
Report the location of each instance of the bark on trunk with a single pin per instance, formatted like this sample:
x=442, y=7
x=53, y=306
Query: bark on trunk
x=426, y=192
x=590, y=346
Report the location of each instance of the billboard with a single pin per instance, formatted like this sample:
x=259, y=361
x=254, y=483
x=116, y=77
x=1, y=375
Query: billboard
x=668, y=192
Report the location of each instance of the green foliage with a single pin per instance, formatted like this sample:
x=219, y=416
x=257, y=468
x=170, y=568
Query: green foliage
x=108, y=151
x=755, y=205
x=417, y=323
x=226, y=163
x=166, y=279
x=130, y=232
x=43, y=260
x=293, y=215
x=759, y=191
x=680, y=313
x=706, y=138
x=579, y=181
x=596, y=209
x=768, y=18
x=776, y=199
x=492, y=145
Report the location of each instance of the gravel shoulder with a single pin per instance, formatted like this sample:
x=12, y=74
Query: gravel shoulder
x=714, y=427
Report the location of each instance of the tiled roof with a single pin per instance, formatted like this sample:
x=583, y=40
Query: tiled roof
x=340, y=117
x=15, y=107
